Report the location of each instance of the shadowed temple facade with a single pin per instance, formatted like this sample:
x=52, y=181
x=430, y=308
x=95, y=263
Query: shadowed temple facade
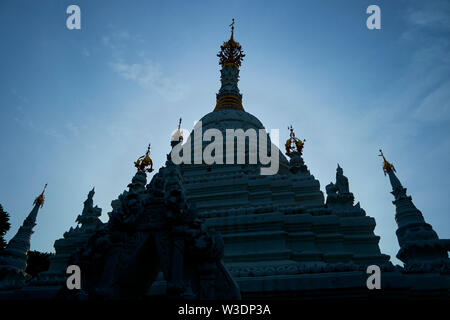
x=216, y=230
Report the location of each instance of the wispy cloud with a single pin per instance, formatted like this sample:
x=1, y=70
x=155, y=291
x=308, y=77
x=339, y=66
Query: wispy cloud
x=59, y=134
x=20, y=101
x=434, y=99
x=133, y=64
x=73, y=129
x=85, y=52
x=21, y=98
x=144, y=74
x=426, y=83
x=29, y=124
x=149, y=75
x=435, y=106
x=432, y=15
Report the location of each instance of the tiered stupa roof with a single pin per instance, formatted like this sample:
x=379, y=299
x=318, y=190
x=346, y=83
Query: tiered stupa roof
x=420, y=247
x=14, y=256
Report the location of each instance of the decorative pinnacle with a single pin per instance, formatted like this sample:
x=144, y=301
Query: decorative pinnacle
x=386, y=165
x=144, y=163
x=180, y=134
x=294, y=144
x=177, y=136
x=40, y=199
x=231, y=51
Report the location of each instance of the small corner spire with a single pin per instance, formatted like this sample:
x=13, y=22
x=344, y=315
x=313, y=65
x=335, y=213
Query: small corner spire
x=40, y=199
x=144, y=163
x=294, y=144
x=177, y=136
x=387, y=166
x=180, y=134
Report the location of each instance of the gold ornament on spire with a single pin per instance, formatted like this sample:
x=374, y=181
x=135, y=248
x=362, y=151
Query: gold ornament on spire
x=294, y=144
x=40, y=199
x=231, y=51
x=144, y=163
x=387, y=166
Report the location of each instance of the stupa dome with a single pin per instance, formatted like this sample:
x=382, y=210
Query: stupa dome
x=234, y=119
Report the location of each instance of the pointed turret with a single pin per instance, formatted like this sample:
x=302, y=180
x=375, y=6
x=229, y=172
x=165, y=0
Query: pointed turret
x=144, y=163
x=420, y=247
x=130, y=201
x=177, y=137
x=15, y=254
x=89, y=218
x=88, y=223
x=294, y=144
x=339, y=195
x=231, y=56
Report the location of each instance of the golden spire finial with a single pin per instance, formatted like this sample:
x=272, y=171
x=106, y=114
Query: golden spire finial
x=40, y=199
x=144, y=163
x=387, y=166
x=294, y=144
x=231, y=51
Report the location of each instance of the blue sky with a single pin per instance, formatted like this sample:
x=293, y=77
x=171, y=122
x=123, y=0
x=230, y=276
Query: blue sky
x=79, y=106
